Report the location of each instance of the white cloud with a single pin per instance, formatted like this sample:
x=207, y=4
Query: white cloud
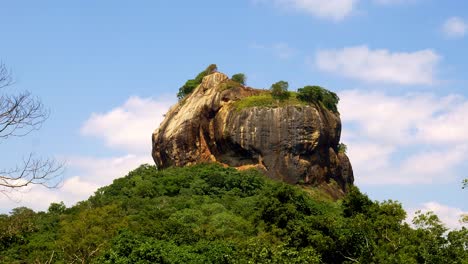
x=455, y=27
x=380, y=65
x=331, y=9
x=450, y=216
x=281, y=50
x=393, y=172
x=427, y=167
x=393, y=2
x=449, y=126
x=102, y=171
x=435, y=162
x=128, y=127
x=403, y=119
x=410, y=139
x=370, y=155
x=78, y=187
x=35, y=197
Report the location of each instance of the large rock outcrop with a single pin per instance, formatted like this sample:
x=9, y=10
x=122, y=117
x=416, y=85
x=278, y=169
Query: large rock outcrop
x=291, y=143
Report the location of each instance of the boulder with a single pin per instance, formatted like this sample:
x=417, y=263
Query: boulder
x=291, y=143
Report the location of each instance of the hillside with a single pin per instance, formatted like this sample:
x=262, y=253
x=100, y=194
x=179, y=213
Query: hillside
x=210, y=214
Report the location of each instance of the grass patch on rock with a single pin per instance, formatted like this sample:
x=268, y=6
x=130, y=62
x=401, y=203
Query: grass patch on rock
x=266, y=100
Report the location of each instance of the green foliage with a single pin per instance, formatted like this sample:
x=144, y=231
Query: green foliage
x=57, y=208
x=342, y=148
x=229, y=84
x=279, y=91
x=210, y=214
x=319, y=95
x=239, y=78
x=356, y=203
x=266, y=100
x=83, y=235
x=191, y=84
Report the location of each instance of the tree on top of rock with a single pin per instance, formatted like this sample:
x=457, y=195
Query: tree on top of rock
x=279, y=90
x=240, y=78
x=191, y=84
x=319, y=95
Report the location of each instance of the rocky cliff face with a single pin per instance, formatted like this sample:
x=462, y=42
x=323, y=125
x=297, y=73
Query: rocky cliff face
x=291, y=143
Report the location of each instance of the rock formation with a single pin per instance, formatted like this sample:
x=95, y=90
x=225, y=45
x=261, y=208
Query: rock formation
x=293, y=143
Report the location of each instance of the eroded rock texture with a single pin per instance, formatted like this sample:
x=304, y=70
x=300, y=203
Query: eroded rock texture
x=293, y=144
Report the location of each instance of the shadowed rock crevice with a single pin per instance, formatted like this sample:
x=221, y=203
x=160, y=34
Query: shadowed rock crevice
x=289, y=143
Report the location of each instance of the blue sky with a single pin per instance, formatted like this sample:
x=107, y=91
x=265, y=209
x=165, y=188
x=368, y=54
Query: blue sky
x=109, y=70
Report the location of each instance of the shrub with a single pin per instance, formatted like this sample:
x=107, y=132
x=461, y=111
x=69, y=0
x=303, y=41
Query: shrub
x=211, y=68
x=279, y=90
x=229, y=84
x=342, y=148
x=191, y=84
x=317, y=94
x=240, y=78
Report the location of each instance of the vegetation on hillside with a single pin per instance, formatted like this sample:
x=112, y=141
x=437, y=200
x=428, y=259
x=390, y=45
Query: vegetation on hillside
x=230, y=84
x=266, y=100
x=191, y=84
x=210, y=214
x=319, y=95
x=239, y=78
x=279, y=96
x=279, y=91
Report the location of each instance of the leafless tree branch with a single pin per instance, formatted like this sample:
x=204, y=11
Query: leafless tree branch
x=20, y=114
x=33, y=170
x=5, y=76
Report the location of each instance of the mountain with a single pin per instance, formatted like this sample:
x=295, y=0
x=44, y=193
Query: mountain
x=225, y=122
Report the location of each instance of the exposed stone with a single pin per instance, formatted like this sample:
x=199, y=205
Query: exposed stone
x=292, y=143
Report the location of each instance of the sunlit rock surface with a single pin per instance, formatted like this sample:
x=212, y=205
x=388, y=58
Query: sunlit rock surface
x=291, y=143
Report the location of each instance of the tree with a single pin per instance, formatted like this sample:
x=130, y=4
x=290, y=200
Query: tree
x=191, y=84
x=85, y=234
x=20, y=114
x=240, y=78
x=279, y=90
x=316, y=94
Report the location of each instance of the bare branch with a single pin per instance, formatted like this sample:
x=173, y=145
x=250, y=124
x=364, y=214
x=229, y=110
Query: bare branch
x=19, y=115
x=5, y=76
x=51, y=258
x=37, y=171
x=349, y=258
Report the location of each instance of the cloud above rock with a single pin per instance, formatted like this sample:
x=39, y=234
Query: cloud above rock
x=380, y=65
x=455, y=27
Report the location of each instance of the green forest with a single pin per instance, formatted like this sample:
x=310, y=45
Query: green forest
x=210, y=214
